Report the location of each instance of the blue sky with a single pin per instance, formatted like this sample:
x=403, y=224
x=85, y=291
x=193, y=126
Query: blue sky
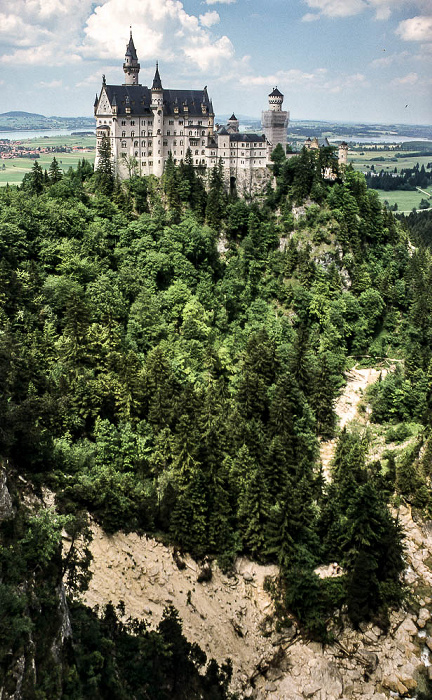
x=346, y=60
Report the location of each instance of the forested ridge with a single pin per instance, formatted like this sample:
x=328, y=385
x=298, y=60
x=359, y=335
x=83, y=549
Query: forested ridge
x=170, y=358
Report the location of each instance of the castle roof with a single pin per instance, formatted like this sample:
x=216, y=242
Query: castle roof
x=233, y=118
x=275, y=93
x=157, y=82
x=130, y=49
x=246, y=137
x=138, y=100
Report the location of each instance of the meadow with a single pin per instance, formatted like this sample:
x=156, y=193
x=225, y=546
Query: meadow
x=12, y=171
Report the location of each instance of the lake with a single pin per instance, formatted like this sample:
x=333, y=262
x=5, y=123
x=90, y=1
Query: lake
x=387, y=138
x=23, y=135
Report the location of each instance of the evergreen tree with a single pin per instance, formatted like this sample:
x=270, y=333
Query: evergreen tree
x=105, y=168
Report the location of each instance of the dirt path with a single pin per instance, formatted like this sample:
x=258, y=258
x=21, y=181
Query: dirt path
x=347, y=407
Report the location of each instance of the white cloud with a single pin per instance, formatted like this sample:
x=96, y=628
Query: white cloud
x=416, y=29
x=221, y=2
x=337, y=8
x=349, y=8
x=309, y=17
x=319, y=80
x=390, y=59
x=51, y=84
x=209, y=19
x=161, y=29
x=409, y=79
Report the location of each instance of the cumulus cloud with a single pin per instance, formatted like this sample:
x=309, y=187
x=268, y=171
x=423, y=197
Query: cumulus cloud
x=161, y=29
x=389, y=60
x=310, y=17
x=349, y=8
x=221, y=2
x=409, y=79
x=318, y=80
x=209, y=18
x=51, y=84
x=416, y=29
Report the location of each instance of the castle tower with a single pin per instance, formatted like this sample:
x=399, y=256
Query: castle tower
x=131, y=66
x=157, y=109
x=233, y=124
x=275, y=121
x=343, y=153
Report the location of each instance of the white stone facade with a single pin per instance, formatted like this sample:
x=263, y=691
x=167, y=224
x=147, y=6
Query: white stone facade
x=145, y=125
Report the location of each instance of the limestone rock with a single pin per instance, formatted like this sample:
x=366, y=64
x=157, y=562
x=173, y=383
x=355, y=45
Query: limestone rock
x=310, y=690
x=394, y=684
x=423, y=617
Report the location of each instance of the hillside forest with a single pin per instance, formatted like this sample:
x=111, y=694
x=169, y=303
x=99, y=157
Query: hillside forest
x=170, y=357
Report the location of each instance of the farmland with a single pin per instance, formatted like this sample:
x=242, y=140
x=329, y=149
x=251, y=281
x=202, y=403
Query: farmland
x=68, y=150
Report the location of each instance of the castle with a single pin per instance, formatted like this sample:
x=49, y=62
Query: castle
x=147, y=125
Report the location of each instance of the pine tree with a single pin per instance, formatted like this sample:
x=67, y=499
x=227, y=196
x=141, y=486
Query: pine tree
x=105, y=168
x=54, y=172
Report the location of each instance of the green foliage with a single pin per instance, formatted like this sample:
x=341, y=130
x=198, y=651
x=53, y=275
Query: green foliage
x=167, y=387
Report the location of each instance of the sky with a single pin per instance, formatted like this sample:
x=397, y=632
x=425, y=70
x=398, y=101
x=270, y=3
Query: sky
x=336, y=60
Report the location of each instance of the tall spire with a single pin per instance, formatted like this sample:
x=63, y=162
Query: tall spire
x=157, y=82
x=131, y=66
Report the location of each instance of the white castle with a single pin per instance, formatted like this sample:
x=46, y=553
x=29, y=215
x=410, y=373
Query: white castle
x=147, y=125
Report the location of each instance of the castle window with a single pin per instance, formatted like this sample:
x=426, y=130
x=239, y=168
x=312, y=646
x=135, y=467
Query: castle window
x=181, y=133
x=199, y=123
x=168, y=133
x=150, y=161
x=132, y=134
x=123, y=123
x=132, y=123
x=190, y=122
x=203, y=143
x=158, y=131
x=175, y=143
x=180, y=121
x=135, y=144
x=181, y=143
x=150, y=154
x=123, y=155
x=202, y=133
x=123, y=134
x=175, y=133
x=143, y=132
x=171, y=122
x=190, y=133
x=165, y=143
x=196, y=153
x=123, y=144
x=203, y=153
x=143, y=144
x=196, y=161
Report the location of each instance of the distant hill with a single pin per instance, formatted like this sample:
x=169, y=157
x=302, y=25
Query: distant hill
x=25, y=115
x=26, y=121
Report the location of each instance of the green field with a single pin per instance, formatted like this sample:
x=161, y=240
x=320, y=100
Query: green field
x=406, y=201
x=12, y=171
x=386, y=160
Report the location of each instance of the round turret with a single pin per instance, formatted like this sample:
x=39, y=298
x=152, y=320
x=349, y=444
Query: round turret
x=276, y=100
x=131, y=66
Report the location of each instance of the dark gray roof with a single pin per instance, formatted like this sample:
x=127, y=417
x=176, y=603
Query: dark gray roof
x=130, y=49
x=275, y=93
x=138, y=98
x=223, y=132
x=233, y=118
x=157, y=82
x=246, y=137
